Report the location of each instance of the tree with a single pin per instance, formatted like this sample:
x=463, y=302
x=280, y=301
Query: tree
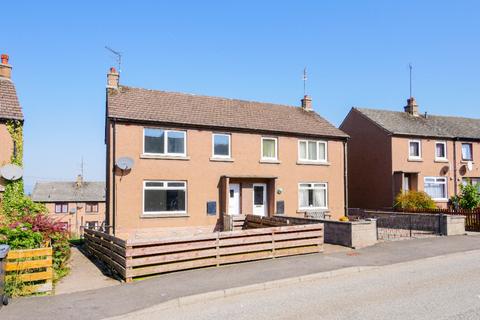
x=469, y=198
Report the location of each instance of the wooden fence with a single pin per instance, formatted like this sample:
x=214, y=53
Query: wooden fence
x=32, y=267
x=138, y=258
x=472, y=217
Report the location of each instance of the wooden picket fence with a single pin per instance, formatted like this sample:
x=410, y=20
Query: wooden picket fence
x=32, y=267
x=138, y=258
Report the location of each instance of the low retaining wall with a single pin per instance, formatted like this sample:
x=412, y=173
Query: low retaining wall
x=436, y=223
x=137, y=258
x=353, y=234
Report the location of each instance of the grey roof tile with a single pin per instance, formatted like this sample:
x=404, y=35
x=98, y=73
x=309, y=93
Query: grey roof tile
x=402, y=123
x=60, y=191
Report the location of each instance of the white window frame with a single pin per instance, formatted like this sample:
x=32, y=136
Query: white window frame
x=221, y=156
x=276, y=149
x=165, y=143
x=325, y=186
x=318, y=142
x=471, y=150
x=444, y=148
x=165, y=187
x=436, y=182
x=419, y=157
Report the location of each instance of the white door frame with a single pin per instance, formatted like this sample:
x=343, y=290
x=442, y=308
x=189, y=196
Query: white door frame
x=260, y=210
x=234, y=203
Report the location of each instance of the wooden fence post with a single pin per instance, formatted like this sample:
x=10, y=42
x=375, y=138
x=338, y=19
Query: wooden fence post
x=128, y=264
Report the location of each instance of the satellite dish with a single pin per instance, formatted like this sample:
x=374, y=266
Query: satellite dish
x=124, y=163
x=470, y=165
x=11, y=172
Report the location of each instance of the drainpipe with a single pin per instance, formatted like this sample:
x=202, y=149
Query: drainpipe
x=114, y=186
x=455, y=167
x=345, y=177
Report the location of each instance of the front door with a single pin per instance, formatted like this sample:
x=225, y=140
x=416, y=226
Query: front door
x=234, y=199
x=260, y=199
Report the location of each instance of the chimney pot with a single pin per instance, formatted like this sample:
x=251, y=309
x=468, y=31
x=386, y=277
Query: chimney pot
x=79, y=180
x=411, y=107
x=307, y=103
x=5, y=68
x=113, y=79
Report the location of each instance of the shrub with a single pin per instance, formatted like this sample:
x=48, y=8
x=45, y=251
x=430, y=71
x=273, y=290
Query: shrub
x=469, y=197
x=20, y=236
x=414, y=200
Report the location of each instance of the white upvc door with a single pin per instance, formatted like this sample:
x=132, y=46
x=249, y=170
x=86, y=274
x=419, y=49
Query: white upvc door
x=234, y=199
x=260, y=199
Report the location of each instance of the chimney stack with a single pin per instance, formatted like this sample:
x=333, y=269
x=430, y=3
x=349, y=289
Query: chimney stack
x=113, y=78
x=411, y=107
x=5, y=68
x=79, y=181
x=307, y=103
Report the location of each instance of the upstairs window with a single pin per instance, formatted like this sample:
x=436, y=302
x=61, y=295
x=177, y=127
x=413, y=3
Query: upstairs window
x=269, y=149
x=164, y=142
x=91, y=207
x=441, y=150
x=310, y=150
x=467, y=152
x=61, y=207
x=221, y=145
x=415, y=149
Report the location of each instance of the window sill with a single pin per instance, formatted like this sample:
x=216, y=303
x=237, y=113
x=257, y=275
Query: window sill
x=441, y=160
x=467, y=161
x=415, y=159
x=270, y=161
x=163, y=157
x=313, y=163
x=222, y=159
x=324, y=210
x=164, y=215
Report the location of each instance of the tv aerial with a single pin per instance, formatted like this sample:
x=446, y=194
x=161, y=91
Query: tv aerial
x=118, y=54
x=124, y=163
x=11, y=172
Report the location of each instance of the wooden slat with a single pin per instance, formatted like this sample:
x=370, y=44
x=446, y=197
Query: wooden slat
x=246, y=248
x=172, y=247
x=29, y=264
x=295, y=251
x=246, y=257
x=29, y=253
x=172, y=267
x=145, y=242
x=113, y=255
x=109, y=261
x=110, y=245
x=105, y=236
x=36, y=276
x=297, y=243
x=189, y=255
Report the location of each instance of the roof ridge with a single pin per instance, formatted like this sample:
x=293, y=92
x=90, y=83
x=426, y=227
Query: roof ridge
x=402, y=112
x=213, y=97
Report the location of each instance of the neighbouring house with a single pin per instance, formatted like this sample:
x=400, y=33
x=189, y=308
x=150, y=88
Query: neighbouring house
x=76, y=204
x=197, y=158
x=10, y=115
x=393, y=151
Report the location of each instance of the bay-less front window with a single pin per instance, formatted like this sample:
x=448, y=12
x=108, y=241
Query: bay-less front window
x=164, y=197
x=436, y=187
x=441, y=151
x=467, y=152
x=61, y=207
x=414, y=149
x=164, y=142
x=221, y=145
x=312, y=196
x=269, y=149
x=309, y=150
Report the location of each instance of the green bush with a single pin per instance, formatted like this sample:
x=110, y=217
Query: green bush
x=412, y=200
x=469, y=197
x=20, y=236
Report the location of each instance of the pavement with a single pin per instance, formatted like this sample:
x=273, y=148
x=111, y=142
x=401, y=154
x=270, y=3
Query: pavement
x=126, y=298
x=446, y=287
x=84, y=275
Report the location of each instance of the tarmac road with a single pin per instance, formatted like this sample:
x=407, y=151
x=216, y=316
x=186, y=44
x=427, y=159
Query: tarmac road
x=437, y=288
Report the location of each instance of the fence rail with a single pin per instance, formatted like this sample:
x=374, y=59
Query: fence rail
x=137, y=258
x=33, y=267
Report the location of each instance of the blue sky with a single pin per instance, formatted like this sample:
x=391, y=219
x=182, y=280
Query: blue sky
x=356, y=52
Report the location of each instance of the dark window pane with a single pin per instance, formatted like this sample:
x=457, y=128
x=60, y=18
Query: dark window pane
x=310, y=197
x=176, y=142
x=176, y=184
x=258, y=195
x=221, y=147
x=164, y=200
x=154, y=139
